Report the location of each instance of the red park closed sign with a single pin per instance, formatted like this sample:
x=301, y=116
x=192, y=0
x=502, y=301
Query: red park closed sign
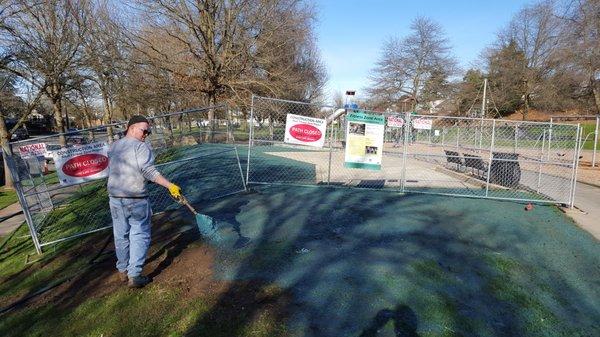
x=305, y=133
x=85, y=165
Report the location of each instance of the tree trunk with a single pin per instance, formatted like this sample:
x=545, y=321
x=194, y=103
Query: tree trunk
x=271, y=131
x=88, y=122
x=596, y=92
x=230, y=127
x=169, y=126
x=57, y=108
x=181, y=124
x=107, y=118
x=212, y=100
x=526, y=110
x=4, y=139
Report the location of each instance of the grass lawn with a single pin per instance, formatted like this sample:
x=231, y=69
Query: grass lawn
x=89, y=300
x=7, y=197
x=588, y=131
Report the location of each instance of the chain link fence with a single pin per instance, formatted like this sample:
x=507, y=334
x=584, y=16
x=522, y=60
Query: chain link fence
x=212, y=158
x=589, y=142
x=482, y=158
x=198, y=154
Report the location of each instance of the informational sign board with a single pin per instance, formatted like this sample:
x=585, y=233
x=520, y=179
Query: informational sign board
x=305, y=130
x=84, y=163
x=395, y=122
x=32, y=150
x=422, y=123
x=364, y=140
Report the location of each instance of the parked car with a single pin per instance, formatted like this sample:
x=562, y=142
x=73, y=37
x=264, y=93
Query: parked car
x=50, y=148
x=19, y=134
x=73, y=131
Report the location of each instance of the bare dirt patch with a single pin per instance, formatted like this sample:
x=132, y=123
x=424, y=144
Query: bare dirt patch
x=178, y=261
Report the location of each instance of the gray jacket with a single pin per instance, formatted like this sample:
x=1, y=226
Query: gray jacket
x=131, y=163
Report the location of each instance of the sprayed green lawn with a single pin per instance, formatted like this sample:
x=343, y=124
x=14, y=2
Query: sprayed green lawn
x=358, y=263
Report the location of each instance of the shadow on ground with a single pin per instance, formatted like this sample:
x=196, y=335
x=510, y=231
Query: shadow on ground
x=373, y=263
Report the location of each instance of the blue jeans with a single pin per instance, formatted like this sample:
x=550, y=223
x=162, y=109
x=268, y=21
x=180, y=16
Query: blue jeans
x=131, y=228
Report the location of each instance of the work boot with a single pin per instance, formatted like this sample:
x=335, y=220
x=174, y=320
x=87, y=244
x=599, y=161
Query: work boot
x=123, y=276
x=138, y=281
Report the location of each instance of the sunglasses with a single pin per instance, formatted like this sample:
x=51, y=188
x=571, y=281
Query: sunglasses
x=146, y=132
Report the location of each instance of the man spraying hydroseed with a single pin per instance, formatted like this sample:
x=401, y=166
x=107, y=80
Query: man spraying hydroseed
x=131, y=165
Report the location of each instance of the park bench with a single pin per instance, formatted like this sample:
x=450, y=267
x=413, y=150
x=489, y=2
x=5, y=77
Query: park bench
x=453, y=157
x=477, y=165
x=505, y=170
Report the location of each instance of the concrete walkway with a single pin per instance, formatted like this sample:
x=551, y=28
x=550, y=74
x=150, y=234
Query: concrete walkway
x=587, y=199
x=10, y=218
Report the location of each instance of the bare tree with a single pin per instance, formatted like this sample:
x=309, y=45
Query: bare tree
x=533, y=33
x=580, y=46
x=43, y=42
x=407, y=64
x=225, y=50
x=338, y=99
x=104, y=56
x=287, y=57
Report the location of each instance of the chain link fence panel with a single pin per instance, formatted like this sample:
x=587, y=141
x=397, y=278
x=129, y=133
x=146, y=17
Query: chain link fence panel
x=472, y=157
x=193, y=151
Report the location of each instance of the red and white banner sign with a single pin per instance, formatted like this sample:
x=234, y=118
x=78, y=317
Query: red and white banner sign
x=32, y=150
x=81, y=164
x=422, y=123
x=395, y=122
x=305, y=130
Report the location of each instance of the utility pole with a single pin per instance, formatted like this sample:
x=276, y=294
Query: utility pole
x=484, y=98
x=482, y=114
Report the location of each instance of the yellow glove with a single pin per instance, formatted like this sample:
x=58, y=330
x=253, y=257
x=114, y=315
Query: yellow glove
x=175, y=191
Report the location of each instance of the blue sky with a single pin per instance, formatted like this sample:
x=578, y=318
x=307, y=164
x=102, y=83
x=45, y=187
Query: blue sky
x=351, y=32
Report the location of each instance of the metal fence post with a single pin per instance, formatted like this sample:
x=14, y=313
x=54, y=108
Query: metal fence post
x=237, y=156
x=516, y=137
x=443, y=135
x=23, y=201
x=481, y=135
x=330, y=153
x=487, y=182
x=539, y=181
x=549, y=140
x=575, y=164
x=407, y=130
x=595, y=141
x=250, y=136
x=457, y=135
